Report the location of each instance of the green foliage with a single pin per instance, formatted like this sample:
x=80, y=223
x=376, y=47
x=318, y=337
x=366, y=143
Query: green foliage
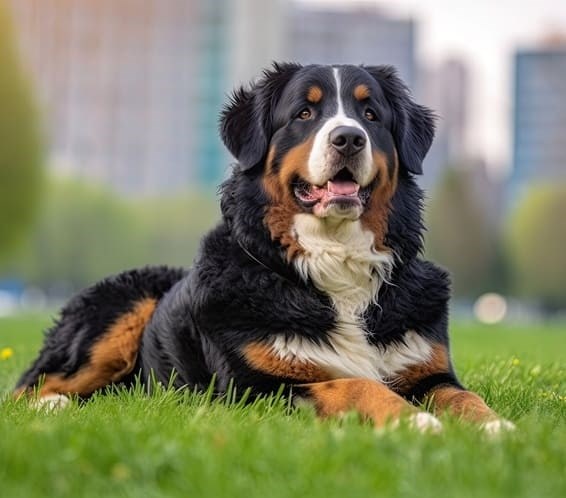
x=536, y=243
x=177, y=444
x=85, y=233
x=82, y=233
x=174, y=226
x=459, y=236
x=20, y=145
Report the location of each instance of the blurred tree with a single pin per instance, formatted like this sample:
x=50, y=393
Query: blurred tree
x=175, y=225
x=536, y=242
x=20, y=145
x=459, y=236
x=85, y=233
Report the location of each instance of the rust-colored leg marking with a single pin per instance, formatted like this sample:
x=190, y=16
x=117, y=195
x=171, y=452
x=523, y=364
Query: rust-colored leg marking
x=111, y=358
x=462, y=403
x=261, y=357
x=369, y=398
x=438, y=363
x=443, y=397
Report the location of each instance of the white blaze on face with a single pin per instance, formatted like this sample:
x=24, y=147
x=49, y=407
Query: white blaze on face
x=320, y=160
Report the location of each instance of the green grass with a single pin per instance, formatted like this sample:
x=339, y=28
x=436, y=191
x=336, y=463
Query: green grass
x=180, y=444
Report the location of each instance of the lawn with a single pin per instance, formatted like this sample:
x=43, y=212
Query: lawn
x=128, y=444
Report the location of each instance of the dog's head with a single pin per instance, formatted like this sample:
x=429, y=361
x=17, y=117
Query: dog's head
x=329, y=141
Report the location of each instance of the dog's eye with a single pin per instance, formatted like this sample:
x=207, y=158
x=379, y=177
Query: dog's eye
x=370, y=115
x=305, y=114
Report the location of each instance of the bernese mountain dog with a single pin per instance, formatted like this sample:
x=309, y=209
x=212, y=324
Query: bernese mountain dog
x=312, y=279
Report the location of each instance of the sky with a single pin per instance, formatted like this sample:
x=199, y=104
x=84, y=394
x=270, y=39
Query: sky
x=485, y=34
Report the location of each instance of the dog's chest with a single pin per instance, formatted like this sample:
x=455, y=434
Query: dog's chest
x=342, y=262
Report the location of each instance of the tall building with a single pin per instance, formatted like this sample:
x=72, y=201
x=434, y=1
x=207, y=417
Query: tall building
x=445, y=88
x=358, y=35
x=132, y=89
x=539, y=145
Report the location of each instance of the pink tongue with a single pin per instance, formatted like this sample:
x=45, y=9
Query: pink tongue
x=342, y=187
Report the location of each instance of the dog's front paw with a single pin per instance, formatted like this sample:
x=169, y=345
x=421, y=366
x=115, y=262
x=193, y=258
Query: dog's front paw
x=425, y=422
x=51, y=402
x=497, y=426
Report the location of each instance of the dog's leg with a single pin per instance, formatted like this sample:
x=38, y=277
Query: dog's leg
x=469, y=406
x=434, y=382
x=369, y=398
x=97, y=338
x=108, y=359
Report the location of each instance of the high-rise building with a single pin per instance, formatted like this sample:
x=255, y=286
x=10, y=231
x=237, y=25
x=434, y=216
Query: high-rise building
x=358, y=35
x=445, y=89
x=132, y=89
x=539, y=145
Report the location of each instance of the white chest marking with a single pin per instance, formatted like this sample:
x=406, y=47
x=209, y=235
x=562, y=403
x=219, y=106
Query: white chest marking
x=341, y=261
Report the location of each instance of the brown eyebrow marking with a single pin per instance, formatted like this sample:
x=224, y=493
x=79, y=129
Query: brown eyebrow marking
x=315, y=94
x=362, y=92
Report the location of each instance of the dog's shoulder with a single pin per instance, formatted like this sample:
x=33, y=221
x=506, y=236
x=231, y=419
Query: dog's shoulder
x=416, y=298
x=249, y=288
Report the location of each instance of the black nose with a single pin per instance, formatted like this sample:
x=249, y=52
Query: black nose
x=347, y=140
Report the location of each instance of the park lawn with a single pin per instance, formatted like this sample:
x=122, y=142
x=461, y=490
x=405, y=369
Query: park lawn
x=129, y=444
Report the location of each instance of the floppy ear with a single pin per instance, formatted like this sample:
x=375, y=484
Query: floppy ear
x=412, y=125
x=246, y=120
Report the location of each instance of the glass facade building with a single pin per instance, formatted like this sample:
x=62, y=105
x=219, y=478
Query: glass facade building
x=539, y=141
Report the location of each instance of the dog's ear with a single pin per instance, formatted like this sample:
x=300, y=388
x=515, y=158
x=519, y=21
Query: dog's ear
x=246, y=120
x=242, y=129
x=412, y=125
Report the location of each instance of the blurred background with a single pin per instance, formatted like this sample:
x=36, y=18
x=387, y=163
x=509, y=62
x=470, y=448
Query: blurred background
x=110, y=157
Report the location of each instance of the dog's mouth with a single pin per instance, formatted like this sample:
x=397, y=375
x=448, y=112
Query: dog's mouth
x=341, y=190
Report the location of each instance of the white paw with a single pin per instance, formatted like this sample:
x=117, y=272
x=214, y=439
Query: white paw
x=494, y=427
x=303, y=403
x=425, y=422
x=51, y=402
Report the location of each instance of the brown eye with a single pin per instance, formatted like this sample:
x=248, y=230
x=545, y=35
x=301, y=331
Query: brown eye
x=370, y=115
x=305, y=114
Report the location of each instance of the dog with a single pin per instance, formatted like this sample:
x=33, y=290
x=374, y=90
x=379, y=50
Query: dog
x=312, y=279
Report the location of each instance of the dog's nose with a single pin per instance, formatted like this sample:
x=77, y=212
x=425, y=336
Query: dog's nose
x=347, y=140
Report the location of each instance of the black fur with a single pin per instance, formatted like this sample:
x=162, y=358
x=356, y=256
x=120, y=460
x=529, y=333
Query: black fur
x=241, y=288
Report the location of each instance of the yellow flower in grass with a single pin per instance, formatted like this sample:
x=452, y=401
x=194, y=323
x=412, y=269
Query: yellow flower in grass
x=515, y=362
x=6, y=353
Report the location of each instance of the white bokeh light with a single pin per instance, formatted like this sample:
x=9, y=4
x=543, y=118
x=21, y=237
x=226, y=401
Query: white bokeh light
x=490, y=308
